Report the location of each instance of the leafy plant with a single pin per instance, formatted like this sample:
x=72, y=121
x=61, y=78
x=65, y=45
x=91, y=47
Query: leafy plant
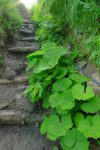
x=72, y=105
x=10, y=19
x=69, y=21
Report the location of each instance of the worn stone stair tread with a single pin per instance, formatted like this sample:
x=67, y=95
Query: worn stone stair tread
x=27, y=39
x=27, y=22
x=26, y=32
x=4, y=105
x=12, y=117
x=27, y=49
x=18, y=79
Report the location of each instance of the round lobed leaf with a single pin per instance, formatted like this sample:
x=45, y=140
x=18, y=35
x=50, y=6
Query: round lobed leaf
x=80, y=93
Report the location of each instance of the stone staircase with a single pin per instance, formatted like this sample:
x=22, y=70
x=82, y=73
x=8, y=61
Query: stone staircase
x=19, y=121
x=14, y=106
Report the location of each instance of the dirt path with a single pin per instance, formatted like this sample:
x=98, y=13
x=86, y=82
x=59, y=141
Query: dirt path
x=14, y=106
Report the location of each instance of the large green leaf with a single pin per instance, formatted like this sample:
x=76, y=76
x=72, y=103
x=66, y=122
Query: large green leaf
x=63, y=100
x=61, y=73
x=29, y=89
x=74, y=140
x=48, y=45
x=49, y=57
x=79, y=78
x=62, y=84
x=80, y=93
x=35, y=54
x=90, y=126
x=35, y=92
x=92, y=106
x=54, y=52
x=78, y=118
x=44, y=64
x=31, y=63
x=54, y=127
x=61, y=112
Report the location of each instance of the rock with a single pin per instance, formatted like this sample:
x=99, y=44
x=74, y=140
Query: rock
x=27, y=49
x=96, y=76
x=90, y=69
x=18, y=96
x=23, y=103
x=4, y=105
x=28, y=39
x=2, y=70
x=27, y=22
x=96, y=87
x=19, y=67
x=21, y=88
x=13, y=117
x=20, y=79
x=10, y=74
x=5, y=81
x=25, y=32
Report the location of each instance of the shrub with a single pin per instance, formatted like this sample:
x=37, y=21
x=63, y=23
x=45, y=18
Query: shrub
x=10, y=19
x=71, y=103
x=68, y=21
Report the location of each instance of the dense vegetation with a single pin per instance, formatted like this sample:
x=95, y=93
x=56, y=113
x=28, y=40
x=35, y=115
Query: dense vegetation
x=72, y=105
x=10, y=20
x=70, y=22
x=66, y=28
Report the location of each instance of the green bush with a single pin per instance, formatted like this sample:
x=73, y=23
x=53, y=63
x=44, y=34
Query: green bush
x=10, y=19
x=71, y=103
x=68, y=21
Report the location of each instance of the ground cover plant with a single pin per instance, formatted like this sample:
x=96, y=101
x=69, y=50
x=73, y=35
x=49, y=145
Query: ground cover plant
x=72, y=105
x=67, y=30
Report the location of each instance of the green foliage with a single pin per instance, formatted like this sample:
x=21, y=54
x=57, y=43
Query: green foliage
x=74, y=140
x=56, y=127
x=91, y=106
x=1, y=61
x=10, y=19
x=81, y=93
x=70, y=21
x=90, y=126
x=72, y=104
x=93, y=46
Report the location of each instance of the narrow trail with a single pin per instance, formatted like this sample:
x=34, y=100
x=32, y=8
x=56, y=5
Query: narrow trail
x=15, y=109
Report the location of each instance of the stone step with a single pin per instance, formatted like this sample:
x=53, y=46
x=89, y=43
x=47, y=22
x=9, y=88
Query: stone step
x=27, y=49
x=18, y=79
x=12, y=117
x=26, y=32
x=27, y=39
x=27, y=22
